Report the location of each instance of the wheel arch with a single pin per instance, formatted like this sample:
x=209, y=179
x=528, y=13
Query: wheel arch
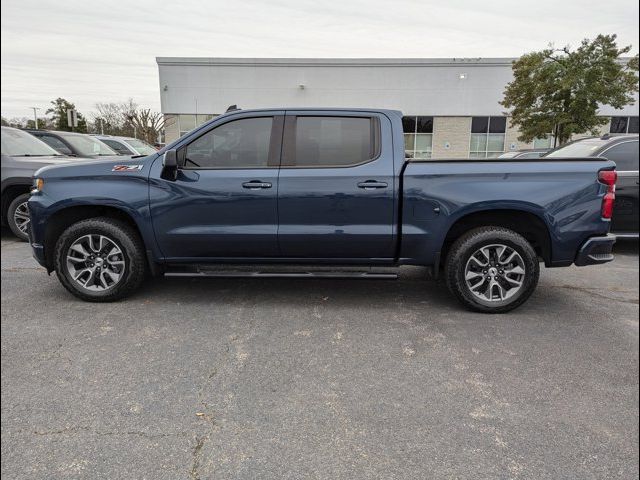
x=528, y=224
x=60, y=220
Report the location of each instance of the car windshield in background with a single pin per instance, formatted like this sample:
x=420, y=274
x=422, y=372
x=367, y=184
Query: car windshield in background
x=143, y=147
x=17, y=143
x=582, y=148
x=88, y=145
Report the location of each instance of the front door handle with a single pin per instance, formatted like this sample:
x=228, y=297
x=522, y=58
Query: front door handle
x=256, y=185
x=372, y=185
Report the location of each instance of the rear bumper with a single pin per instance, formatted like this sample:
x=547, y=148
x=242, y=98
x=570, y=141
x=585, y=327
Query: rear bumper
x=596, y=250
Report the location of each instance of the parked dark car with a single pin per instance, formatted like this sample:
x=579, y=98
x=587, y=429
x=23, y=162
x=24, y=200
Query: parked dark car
x=529, y=153
x=306, y=190
x=22, y=155
x=74, y=144
x=622, y=149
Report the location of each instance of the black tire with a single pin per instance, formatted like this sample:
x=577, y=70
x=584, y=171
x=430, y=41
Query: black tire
x=459, y=257
x=132, y=253
x=16, y=203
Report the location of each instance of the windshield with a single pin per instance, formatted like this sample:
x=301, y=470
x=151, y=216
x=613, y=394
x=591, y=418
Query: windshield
x=17, y=143
x=142, y=147
x=88, y=145
x=583, y=148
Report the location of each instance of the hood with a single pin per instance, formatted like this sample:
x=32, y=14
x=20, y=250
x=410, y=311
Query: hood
x=41, y=161
x=24, y=166
x=116, y=165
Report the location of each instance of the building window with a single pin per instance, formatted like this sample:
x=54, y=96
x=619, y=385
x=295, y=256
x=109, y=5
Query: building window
x=187, y=122
x=418, y=137
x=624, y=125
x=539, y=143
x=487, y=136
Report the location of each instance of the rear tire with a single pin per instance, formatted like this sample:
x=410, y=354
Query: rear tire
x=492, y=269
x=100, y=259
x=18, y=217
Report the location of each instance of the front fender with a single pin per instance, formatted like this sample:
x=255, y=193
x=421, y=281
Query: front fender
x=127, y=195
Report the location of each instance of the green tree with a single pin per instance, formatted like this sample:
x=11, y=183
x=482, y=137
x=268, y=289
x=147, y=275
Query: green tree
x=59, y=116
x=559, y=91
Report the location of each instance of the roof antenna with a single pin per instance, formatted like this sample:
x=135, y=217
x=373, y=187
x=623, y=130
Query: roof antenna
x=232, y=108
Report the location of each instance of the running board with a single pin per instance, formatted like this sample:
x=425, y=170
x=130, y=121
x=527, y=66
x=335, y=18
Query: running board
x=282, y=272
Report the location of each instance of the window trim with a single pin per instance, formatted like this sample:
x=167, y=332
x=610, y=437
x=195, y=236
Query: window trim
x=627, y=172
x=275, y=144
x=289, y=140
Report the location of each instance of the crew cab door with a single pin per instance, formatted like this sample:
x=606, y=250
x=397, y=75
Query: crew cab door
x=223, y=202
x=625, y=211
x=336, y=186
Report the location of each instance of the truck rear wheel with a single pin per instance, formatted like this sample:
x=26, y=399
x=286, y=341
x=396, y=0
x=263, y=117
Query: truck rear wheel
x=492, y=269
x=100, y=259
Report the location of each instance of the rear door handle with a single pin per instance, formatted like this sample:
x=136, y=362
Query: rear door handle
x=256, y=185
x=371, y=185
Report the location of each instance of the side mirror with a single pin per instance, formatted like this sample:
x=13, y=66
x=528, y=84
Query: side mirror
x=170, y=165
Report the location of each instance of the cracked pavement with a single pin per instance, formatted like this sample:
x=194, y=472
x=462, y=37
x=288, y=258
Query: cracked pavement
x=326, y=379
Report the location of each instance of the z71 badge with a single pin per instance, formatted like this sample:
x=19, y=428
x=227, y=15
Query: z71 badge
x=126, y=168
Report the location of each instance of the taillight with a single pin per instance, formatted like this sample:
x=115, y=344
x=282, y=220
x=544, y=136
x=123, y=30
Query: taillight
x=609, y=178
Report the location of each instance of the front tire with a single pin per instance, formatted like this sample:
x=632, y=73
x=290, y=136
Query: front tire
x=492, y=269
x=18, y=217
x=100, y=259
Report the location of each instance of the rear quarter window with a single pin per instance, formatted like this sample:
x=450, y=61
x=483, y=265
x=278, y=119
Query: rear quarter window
x=624, y=154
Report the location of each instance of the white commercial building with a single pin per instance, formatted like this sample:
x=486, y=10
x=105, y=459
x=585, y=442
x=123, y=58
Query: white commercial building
x=451, y=106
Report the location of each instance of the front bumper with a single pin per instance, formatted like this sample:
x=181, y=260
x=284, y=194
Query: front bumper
x=38, y=253
x=595, y=251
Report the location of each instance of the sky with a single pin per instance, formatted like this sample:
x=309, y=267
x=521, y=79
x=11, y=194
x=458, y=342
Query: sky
x=104, y=51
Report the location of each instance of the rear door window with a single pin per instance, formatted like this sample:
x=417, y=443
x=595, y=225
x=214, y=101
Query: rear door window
x=625, y=155
x=330, y=141
x=56, y=143
x=117, y=146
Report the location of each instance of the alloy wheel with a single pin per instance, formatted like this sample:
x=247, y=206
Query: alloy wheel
x=21, y=217
x=95, y=262
x=495, y=273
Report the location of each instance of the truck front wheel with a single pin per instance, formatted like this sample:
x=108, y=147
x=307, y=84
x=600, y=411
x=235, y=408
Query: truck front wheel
x=100, y=259
x=492, y=269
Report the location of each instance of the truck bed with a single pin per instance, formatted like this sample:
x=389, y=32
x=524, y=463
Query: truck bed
x=563, y=194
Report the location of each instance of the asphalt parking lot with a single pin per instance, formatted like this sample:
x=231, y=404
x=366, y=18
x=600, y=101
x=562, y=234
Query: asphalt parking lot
x=259, y=378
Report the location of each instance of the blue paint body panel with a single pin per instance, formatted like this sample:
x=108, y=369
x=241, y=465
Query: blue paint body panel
x=321, y=215
x=565, y=196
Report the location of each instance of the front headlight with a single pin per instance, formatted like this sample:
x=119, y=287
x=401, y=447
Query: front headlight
x=38, y=184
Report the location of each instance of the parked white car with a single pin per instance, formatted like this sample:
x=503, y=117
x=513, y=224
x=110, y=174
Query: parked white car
x=127, y=145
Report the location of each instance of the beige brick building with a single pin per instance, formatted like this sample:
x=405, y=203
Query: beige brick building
x=451, y=106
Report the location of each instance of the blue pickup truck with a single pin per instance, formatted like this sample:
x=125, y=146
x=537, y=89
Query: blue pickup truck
x=309, y=192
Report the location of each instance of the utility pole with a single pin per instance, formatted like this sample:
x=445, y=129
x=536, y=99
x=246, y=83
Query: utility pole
x=35, y=116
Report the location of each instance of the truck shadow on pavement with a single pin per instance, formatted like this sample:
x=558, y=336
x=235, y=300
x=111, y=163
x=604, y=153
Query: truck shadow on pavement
x=413, y=290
